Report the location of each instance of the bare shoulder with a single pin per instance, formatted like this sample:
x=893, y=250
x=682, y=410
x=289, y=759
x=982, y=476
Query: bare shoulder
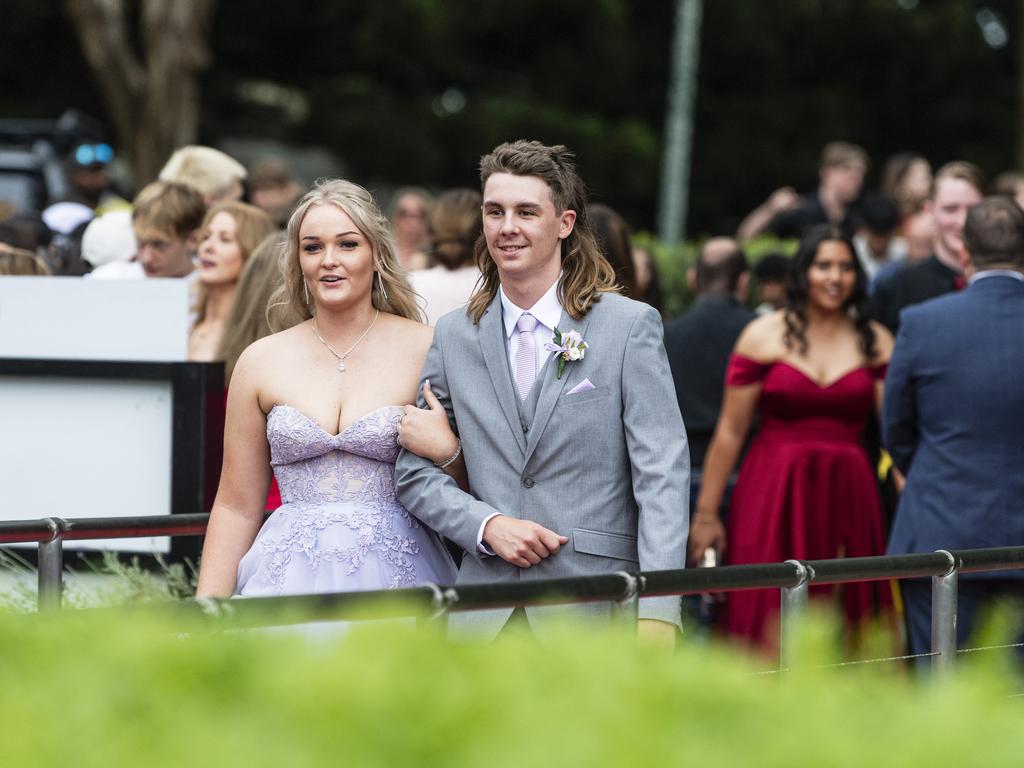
x=762, y=339
x=410, y=334
x=275, y=344
x=884, y=342
x=269, y=353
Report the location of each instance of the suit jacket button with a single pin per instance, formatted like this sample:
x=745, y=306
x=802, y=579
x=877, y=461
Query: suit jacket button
x=528, y=482
x=526, y=427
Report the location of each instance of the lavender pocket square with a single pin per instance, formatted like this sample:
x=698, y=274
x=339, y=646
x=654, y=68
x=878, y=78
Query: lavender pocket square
x=583, y=386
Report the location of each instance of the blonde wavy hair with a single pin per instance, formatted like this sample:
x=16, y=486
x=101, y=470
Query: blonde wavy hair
x=586, y=274
x=358, y=204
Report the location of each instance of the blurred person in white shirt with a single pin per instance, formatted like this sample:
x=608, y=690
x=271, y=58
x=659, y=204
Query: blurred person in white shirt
x=453, y=226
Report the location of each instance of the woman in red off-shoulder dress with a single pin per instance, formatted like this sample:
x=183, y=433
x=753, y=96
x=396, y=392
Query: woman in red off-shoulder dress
x=806, y=490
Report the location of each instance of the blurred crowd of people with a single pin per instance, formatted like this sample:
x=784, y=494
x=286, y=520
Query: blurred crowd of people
x=779, y=366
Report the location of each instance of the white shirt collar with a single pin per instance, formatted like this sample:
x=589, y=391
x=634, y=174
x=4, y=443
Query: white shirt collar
x=982, y=274
x=547, y=310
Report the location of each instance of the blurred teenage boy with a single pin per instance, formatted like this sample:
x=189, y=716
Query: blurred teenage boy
x=166, y=217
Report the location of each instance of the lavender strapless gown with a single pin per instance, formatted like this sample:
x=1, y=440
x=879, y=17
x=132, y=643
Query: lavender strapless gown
x=340, y=527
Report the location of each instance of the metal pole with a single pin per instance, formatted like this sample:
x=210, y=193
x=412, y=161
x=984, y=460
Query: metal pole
x=440, y=600
x=51, y=568
x=627, y=608
x=673, y=205
x=794, y=604
x=944, y=589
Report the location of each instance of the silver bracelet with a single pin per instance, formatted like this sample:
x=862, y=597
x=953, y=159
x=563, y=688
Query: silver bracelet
x=450, y=459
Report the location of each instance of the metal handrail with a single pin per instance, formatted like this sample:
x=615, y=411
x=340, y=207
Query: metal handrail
x=792, y=577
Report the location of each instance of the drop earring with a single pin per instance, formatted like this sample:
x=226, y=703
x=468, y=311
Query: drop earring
x=380, y=282
x=305, y=290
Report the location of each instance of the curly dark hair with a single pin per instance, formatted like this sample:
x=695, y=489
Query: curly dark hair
x=856, y=307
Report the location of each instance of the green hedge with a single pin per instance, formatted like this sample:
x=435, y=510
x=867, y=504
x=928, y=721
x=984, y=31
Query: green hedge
x=673, y=261
x=126, y=691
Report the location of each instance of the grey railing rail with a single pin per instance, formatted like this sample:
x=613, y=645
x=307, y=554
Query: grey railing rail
x=792, y=578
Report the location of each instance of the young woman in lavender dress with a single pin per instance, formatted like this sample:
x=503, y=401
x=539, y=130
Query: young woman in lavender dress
x=320, y=403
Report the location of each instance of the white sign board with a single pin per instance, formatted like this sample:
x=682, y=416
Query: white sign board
x=86, y=448
x=76, y=447
x=68, y=318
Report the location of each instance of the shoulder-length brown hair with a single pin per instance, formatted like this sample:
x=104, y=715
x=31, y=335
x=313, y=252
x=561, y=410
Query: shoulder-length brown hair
x=358, y=204
x=453, y=227
x=585, y=272
x=612, y=235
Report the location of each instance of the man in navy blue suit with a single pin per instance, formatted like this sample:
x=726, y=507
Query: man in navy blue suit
x=953, y=418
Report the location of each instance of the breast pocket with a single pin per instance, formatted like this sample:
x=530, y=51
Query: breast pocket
x=604, y=544
x=581, y=398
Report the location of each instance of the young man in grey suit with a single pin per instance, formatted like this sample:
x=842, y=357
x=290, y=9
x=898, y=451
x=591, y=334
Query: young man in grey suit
x=560, y=391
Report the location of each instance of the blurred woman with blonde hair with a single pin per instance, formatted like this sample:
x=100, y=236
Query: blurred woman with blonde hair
x=18, y=261
x=252, y=314
x=230, y=232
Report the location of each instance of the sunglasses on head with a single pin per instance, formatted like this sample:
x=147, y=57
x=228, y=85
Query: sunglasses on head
x=90, y=154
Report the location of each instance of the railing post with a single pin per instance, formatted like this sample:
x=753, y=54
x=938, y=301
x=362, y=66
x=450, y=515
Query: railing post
x=440, y=599
x=794, y=603
x=51, y=567
x=944, y=592
x=627, y=607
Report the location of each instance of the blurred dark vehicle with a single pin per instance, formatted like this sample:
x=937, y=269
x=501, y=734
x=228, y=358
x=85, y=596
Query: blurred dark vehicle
x=33, y=173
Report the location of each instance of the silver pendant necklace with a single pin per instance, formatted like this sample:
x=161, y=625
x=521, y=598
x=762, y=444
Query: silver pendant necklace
x=341, y=358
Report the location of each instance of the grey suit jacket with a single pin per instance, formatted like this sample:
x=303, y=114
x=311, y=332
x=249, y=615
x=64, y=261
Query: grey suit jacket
x=609, y=468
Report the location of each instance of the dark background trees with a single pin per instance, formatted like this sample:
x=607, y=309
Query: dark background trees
x=413, y=91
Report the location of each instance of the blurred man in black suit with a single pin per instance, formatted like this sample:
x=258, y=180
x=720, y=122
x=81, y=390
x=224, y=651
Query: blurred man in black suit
x=699, y=342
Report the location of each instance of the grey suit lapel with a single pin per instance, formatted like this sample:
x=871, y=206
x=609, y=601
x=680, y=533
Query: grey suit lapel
x=552, y=386
x=492, y=346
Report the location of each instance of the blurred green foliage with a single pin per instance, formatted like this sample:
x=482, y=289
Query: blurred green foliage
x=77, y=689
x=673, y=262
x=777, y=80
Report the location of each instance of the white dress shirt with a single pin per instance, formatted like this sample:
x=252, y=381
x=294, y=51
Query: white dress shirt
x=548, y=312
x=983, y=273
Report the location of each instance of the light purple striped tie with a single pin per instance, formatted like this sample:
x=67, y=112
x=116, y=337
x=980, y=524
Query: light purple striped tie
x=526, y=355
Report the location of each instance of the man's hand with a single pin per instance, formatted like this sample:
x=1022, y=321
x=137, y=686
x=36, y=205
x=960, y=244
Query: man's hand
x=898, y=480
x=521, y=542
x=655, y=634
x=783, y=199
x=705, y=531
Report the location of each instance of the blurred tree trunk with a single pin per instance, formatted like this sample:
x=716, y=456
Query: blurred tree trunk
x=148, y=83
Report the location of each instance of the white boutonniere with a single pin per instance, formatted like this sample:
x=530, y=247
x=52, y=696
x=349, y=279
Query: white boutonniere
x=570, y=346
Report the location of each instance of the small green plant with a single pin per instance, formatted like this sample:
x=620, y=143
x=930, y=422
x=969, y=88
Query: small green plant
x=18, y=593
x=110, y=582
x=126, y=582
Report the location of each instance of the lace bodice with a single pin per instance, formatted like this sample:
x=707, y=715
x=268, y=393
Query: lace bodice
x=340, y=526
x=313, y=466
